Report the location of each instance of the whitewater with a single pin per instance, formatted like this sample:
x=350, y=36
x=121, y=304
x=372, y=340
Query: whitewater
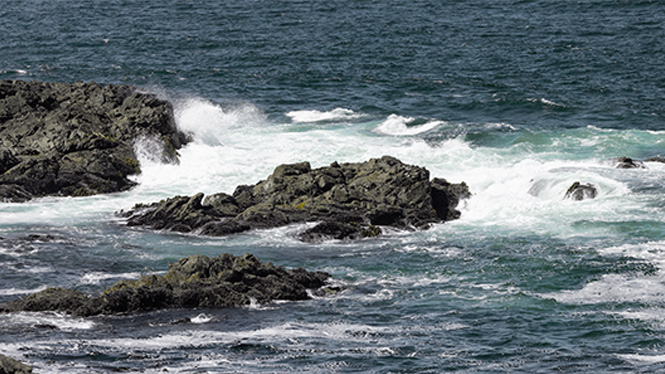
x=519, y=99
x=520, y=257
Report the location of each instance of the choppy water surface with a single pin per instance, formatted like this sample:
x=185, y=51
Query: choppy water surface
x=519, y=99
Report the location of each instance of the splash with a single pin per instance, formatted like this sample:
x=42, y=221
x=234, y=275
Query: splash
x=399, y=125
x=337, y=114
x=209, y=123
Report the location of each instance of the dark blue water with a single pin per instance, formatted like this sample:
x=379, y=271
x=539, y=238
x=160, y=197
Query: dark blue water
x=517, y=98
x=599, y=61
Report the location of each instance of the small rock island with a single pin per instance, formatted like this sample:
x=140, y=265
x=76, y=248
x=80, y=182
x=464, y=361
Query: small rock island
x=349, y=201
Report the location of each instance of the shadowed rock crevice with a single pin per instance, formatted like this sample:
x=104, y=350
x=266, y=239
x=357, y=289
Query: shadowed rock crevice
x=192, y=282
x=77, y=139
x=350, y=200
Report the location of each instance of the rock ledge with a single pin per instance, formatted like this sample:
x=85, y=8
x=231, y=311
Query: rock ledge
x=194, y=281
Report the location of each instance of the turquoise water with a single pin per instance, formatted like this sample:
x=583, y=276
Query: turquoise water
x=519, y=99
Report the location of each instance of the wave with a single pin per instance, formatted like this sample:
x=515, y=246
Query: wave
x=399, y=125
x=337, y=114
x=60, y=321
x=517, y=176
x=209, y=123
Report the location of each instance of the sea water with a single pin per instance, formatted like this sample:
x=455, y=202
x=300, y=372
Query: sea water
x=519, y=99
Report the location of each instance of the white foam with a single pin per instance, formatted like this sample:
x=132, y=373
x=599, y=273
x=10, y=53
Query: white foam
x=399, y=125
x=619, y=288
x=615, y=288
x=20, y=291
x=98, y=277
x=290, y=331
x=59, y=320
x=651, y=359
x=236, y=145
x=202, y=318
x=309, y=116
x=500, y=126
x=209, y=123
x=546, y=102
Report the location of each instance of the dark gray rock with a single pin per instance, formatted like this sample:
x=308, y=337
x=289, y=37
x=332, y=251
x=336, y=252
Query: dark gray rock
x=192, y=282
x=350, y=199
x=77, y=139
x=655, y=159
x=628, y=163
x=578, y=191
x=10, y=366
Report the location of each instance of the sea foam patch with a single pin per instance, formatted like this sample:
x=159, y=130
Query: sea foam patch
x=309, y=116
x=399, y=125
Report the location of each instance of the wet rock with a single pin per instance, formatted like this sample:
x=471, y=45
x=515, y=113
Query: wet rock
x=655, y=159
x=628, y=163
x=77, y=139
x=350, y=199
x=578, y=191
x=11, y=366
x=192, y=282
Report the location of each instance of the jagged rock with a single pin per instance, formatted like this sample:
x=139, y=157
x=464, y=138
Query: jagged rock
x=192, y=282
x=628, y=163
x=578, y=191
x=351, y=199
x=77, y=139
x=10, y=366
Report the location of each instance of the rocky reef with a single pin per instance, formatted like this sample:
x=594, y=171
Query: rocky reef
x=77, y=139
x=349, y=200
x=193, y=281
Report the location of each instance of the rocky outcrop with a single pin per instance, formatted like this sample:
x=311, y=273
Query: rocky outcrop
x=628, y=163
x=77, y=139
x=350, y=200
x=192, y=282
x=578, y=191
x=11, y=366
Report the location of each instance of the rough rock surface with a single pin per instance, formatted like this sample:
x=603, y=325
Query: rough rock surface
x=578, y=191
x=350, y=200
x=77, y=139
x=11, y=366
x=194, y=281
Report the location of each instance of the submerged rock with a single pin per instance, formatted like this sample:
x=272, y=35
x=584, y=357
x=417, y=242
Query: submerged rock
x=192, y=282
x=350, y=199
x=77, y=139
x=579, y=191
x=10, y=366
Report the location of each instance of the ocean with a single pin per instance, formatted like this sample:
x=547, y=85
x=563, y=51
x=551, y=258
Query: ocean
x=517, y=98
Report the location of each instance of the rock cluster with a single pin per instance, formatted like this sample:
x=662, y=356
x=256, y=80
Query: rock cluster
x=77, y=139
x=350, y=200
x=194, y=281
